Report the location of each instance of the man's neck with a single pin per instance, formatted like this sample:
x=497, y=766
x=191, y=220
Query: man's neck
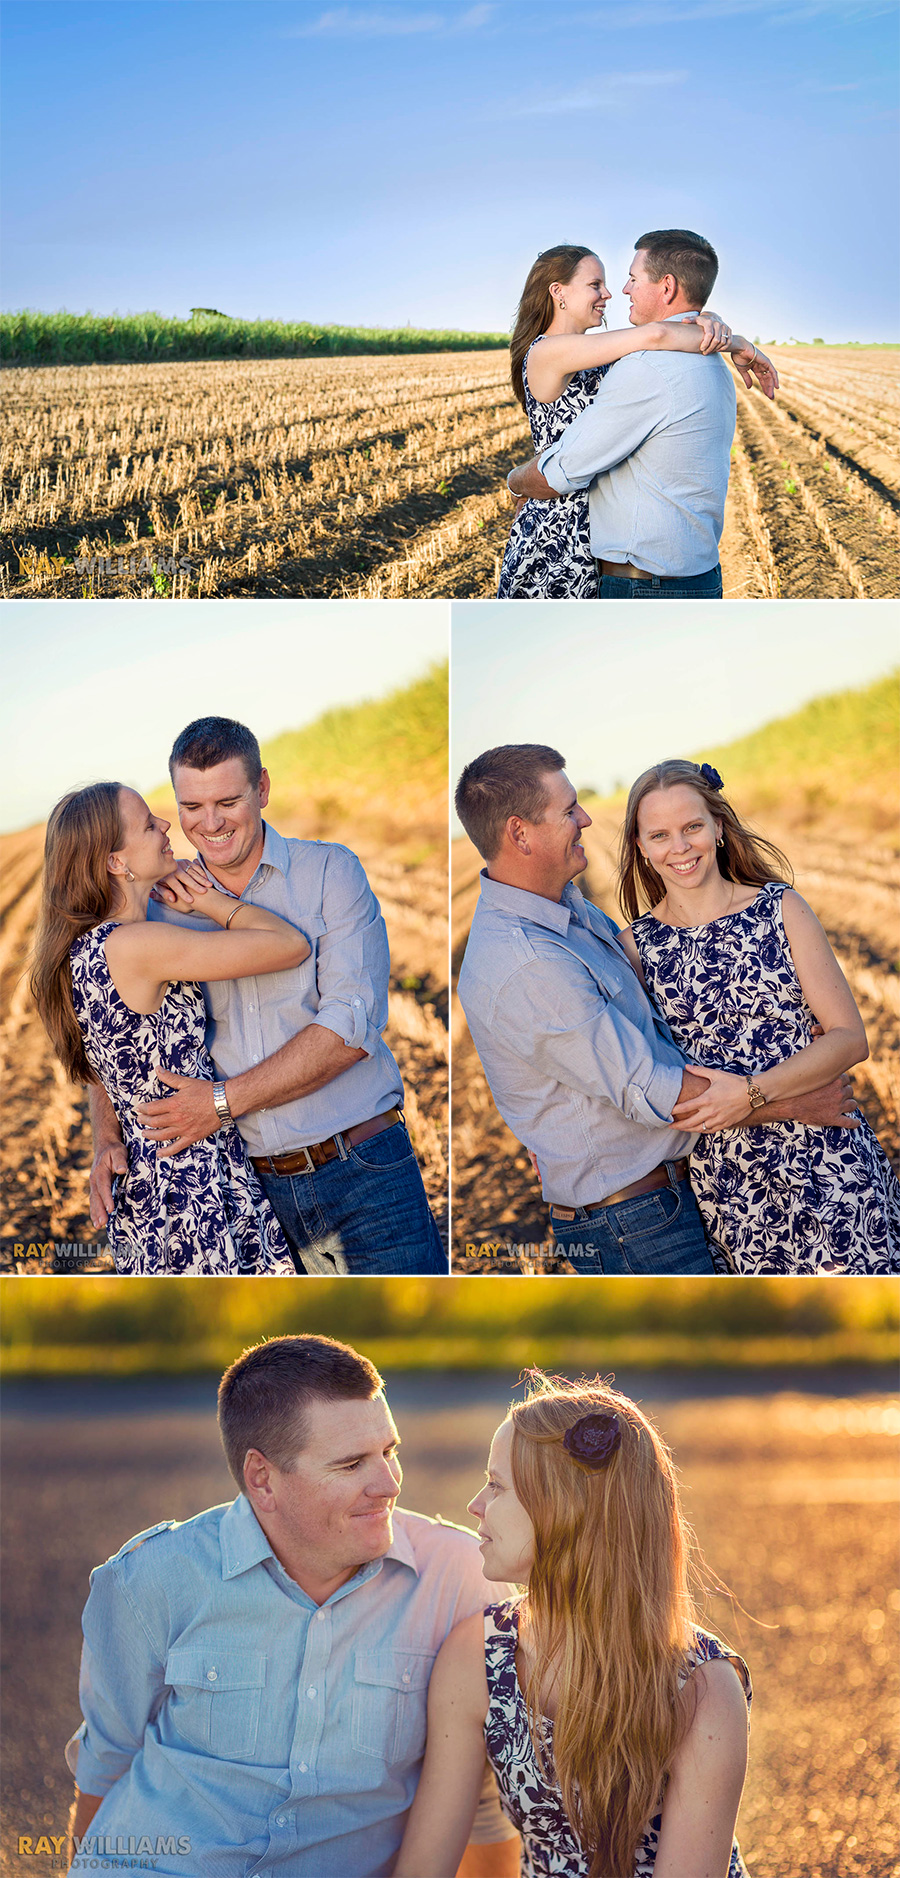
x=543, y=889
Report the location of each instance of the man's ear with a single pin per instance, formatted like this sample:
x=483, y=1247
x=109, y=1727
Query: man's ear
x=258, y=1480
x=517, y=833
x=264, y=788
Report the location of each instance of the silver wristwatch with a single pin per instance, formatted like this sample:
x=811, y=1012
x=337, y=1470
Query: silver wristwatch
x=220, y=1102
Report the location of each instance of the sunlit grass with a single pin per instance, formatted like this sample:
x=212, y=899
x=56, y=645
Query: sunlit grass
x=33, y=338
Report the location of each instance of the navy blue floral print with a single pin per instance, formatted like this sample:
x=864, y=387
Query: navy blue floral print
x=550, y=1848
x=548, y=555
x=784, y=1197
x=199, y=1211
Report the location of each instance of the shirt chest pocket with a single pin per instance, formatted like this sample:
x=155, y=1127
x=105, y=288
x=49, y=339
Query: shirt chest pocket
x=280, y=991
x=216, y=1698
x=390, y=1694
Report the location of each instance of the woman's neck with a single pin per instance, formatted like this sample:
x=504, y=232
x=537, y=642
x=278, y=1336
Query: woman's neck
x=563, y=323
x=697, y=909
x=132, y=900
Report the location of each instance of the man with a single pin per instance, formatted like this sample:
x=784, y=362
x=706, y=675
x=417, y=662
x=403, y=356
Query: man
x=654, y=445
x=304, y=1069
x=580, y=1066
x=254, y=1681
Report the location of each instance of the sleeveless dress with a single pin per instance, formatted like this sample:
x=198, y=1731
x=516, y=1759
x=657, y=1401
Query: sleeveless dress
x=548, y=555
x=199, y=1211
x=550, y=1848
x=784, y=1197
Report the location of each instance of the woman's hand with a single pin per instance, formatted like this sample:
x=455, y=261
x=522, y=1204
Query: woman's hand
x=750, y=363
x=725, y=1102
x=716, y=331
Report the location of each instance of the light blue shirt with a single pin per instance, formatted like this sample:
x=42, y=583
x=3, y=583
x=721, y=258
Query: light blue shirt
x=322, y=889
x=654, y=449
x=581, y=1067
x=223, y=1706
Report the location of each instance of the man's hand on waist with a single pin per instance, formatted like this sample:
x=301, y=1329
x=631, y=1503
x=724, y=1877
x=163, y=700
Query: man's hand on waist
x=526, y=480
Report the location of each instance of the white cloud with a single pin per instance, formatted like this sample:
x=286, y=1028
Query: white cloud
x=595, y=95
x=633, y=13
x=357, y=23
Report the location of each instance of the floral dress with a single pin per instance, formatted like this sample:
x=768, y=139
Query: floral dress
x=202, y=1210
x=783, y=1197
x=548, y=555
x=550, y=1848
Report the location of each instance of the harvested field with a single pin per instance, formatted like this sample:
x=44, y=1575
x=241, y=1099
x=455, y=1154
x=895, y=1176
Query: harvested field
x=380, y=478
x=852, y=883
x=45, y=1154
x=806, y=1467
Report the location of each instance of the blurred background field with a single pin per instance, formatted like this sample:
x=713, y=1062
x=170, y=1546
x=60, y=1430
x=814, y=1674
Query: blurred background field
x=51, y=1326
x=373, y=776
x=788, y=1465
x=32, y=338
x=820, y=783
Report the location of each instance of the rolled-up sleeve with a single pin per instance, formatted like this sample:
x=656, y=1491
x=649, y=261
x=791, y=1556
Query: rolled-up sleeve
x=120, y=1687
x=353, y=958
x=581, y=1039
x=628, y=406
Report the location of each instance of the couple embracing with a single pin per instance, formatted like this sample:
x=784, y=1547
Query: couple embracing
x=625, y=498
x=227, y=1017
x=309, y=1682
x=681, y=1086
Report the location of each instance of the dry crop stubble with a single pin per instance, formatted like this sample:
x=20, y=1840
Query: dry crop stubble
x=853, y=886
x=45, y=1151
x=384, y=477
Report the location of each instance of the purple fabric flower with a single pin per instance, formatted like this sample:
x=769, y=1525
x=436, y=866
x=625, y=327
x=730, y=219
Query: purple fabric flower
x=593, y=1440
x=710, y=776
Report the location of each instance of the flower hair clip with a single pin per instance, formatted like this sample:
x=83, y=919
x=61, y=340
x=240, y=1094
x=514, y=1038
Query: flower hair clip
x=711, y=776
x=593, y=1440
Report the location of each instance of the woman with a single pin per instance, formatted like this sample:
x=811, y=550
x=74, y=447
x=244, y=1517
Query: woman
x=616, y=1729
x=556, y=369
x=108, y=984
x=741, y=969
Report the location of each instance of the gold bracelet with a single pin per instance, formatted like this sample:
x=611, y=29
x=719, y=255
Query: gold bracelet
x=235, y=909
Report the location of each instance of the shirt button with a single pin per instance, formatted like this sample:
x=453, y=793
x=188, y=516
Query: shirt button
x=405, y=1676
x=311, y=1691
x=212, y=1675
x=320, y=1617
x=303, y=1768
x=281, y=1820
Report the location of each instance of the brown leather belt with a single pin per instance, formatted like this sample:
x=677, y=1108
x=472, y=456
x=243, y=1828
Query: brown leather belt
x=306, y=1160
x=624, y=570
x=664, y=1176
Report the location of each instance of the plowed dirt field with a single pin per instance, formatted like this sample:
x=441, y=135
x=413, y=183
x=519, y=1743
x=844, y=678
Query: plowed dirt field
x=385, y=477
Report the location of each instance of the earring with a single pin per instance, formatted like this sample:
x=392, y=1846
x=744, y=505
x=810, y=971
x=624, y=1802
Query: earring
x=563, y=305
x=128, y=874
x=720, y=841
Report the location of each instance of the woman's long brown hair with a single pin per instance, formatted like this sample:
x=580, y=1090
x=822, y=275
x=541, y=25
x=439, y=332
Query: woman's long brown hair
x=536, y=307
x=608, y=1613
x=744, y=856
x=77, y=893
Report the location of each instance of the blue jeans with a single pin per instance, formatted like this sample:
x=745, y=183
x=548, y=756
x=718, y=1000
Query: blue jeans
x=364, y=1213
x=660, y=1231
x=661, y=587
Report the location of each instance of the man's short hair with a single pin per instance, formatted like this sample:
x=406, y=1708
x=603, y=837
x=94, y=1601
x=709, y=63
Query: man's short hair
x=209, y=741
x=693, y=261
x=264, y=1397
x=500, y=783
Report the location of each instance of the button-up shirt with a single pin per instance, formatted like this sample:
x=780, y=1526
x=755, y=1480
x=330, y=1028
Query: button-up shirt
x=321, y=888
x=581, y=1067
x=224, y=1708
x=654, y=449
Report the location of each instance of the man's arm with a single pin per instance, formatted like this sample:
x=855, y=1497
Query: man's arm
x=84, y=1806
x=526, y=480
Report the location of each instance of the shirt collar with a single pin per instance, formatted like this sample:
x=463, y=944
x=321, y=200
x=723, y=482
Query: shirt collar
x=244, y=1544
x=499, y=897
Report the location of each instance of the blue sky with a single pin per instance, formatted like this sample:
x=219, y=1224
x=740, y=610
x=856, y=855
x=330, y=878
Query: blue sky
x=404, y=162
x=126, y=680
x=614, y=701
